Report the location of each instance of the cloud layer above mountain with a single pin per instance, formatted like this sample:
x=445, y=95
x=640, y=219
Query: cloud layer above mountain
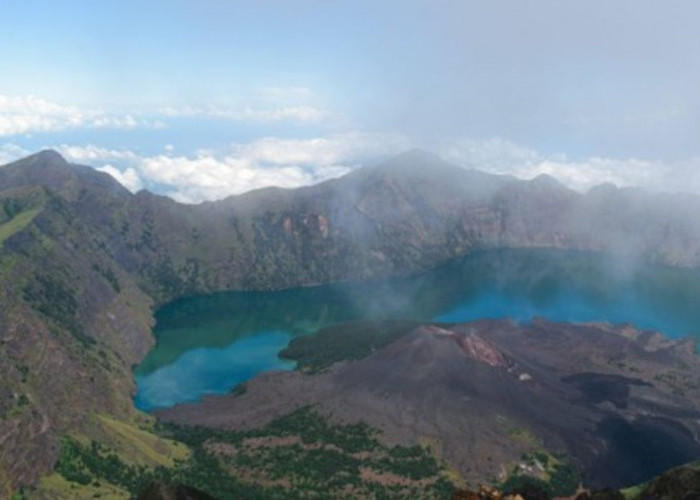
x=204, y=99
x=290, y=163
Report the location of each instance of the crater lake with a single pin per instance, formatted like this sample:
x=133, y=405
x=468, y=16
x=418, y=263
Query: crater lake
x=210, y=344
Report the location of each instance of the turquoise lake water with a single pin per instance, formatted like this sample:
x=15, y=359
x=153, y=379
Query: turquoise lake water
x=210, y=344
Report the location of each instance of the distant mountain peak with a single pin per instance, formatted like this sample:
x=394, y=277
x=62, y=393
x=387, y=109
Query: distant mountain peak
x=417, y=163
x=547, y=180
x=604, y=188
x=417, y=154
x=49, y=169
x=47, y=156
x=417, y=158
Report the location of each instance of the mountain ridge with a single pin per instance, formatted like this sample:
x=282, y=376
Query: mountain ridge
x=405, y=163
x=83, y=262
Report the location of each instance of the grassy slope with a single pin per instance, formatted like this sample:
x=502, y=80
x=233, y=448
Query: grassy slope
x=17, y=223
x=134, y=445
x=141, y=447
x=56, y=486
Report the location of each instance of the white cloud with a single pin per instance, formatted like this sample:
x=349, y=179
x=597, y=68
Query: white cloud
x=271, y=161
x=266, y=162
x=289, y=113
x=503, y=157
x=584, y=174
x=10, y=152
x=91, y=153
x=207, y=178
x=21, y=115
x=125, y=122
x=309, y=114
x=494, y=154
x=265, y=104
x=128, y=177
x=348, y=148
x=30, y=114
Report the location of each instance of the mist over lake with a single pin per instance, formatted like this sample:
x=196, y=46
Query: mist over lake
x=210, y=344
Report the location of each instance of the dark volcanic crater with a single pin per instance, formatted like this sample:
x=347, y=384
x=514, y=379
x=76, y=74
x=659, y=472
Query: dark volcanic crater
x=597, y=388
x=621, y=404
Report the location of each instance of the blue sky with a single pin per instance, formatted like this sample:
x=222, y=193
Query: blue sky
x=199, y=99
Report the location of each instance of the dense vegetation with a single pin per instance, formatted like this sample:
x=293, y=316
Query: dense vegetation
x=344, y=342
x=88, y=463
x=300, y=455
x=559, y=477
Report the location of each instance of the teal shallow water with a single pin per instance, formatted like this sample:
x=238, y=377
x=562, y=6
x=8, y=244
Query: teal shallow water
x=209, y=344
x=208, y=370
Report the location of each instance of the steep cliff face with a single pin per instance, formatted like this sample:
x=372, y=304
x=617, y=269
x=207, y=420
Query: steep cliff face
x=82, y=262
x=72, y=323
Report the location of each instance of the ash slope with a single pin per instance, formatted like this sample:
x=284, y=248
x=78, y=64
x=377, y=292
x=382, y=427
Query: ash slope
x=623, y=405
x=83, y=261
